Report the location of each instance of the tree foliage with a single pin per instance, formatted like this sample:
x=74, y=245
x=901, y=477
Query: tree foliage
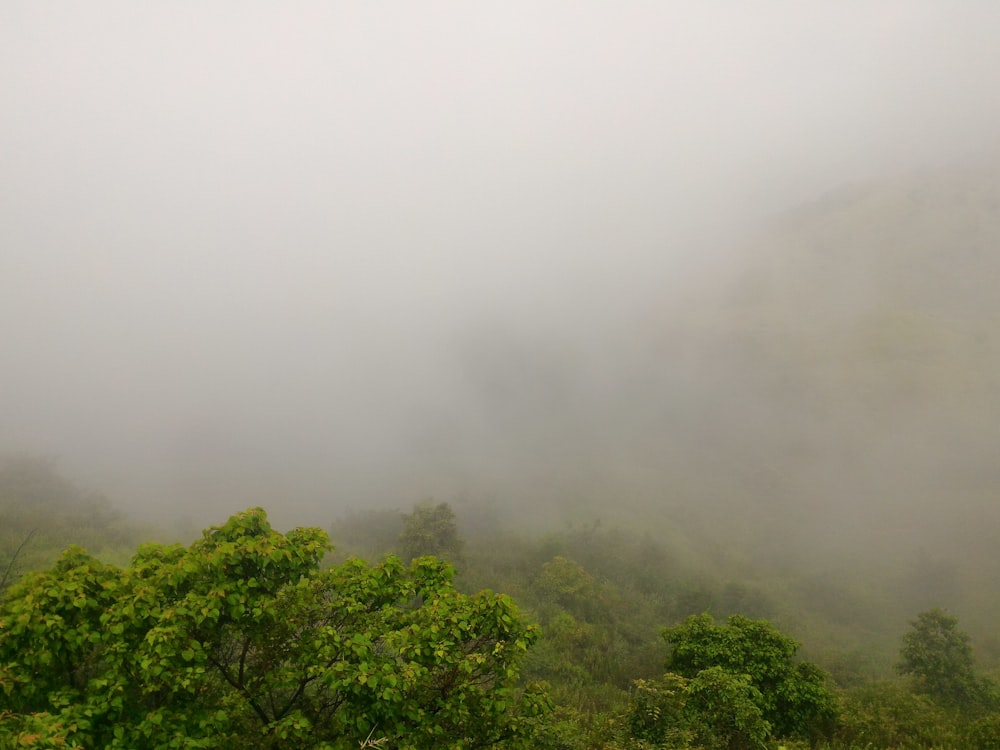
x=243, y=640
x=431, y=530
x=886, y=714
x=939, y=656
x=792, y=696
x=726, y=710
x=716, y=710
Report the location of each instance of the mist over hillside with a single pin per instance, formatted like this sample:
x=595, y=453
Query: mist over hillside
x=867, y=329
x=344, y=258
x=836, y=392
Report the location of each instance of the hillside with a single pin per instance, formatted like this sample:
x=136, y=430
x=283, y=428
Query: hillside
x=855, y=366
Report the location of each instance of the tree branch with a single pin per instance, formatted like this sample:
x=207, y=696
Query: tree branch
x=10, y=564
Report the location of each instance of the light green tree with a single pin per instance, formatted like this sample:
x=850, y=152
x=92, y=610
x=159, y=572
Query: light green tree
x=715, y=710
x=242, y=640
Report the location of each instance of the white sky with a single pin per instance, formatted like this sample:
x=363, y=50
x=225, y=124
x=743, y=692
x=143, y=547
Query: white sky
x=259, y=227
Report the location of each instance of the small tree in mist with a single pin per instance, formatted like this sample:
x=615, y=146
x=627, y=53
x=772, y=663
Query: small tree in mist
x=431, y=530
x=939, y=656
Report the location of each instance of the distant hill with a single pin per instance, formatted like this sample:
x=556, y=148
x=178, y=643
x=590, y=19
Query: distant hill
x=854, y=367
x=847, y=366
x=869, y=323
x=823, y=415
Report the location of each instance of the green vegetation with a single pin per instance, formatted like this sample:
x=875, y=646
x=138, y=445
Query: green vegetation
x=252, y=638
x=243, y=640
x=431, y=530
x=792, y=698
x=940, y=658
x=42, y=513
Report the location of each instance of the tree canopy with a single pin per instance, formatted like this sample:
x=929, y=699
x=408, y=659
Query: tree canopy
x=792, y=696
x=243, y=639
x=431, y=530
x=939, y=656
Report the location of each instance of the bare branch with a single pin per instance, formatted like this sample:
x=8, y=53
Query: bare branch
x=9, y=570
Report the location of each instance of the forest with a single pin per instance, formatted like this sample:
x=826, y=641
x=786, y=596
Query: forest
x=421, y=629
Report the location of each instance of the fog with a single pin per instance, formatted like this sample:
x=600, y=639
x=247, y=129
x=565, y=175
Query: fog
x=320, y=256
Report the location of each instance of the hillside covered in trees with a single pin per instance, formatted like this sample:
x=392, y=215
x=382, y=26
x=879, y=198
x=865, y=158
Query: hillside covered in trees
x=582, y=376
x=598, y=638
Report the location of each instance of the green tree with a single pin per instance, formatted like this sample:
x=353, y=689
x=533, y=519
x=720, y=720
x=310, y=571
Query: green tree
x=241, y=640
x=567, y=584
x=715, y=710
x=889, y=714
x=939, y=656
x=431, y=530
x=726, y=711
x=793, y=697
x=658, y=713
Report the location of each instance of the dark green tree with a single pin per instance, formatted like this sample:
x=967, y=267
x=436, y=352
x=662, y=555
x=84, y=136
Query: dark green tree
x=792, y=696
x=939, y=656
x=431, y=530
x=242, y=640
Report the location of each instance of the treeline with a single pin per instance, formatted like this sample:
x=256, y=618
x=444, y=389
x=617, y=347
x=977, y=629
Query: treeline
x=600, y=639
x=620, y=679
x=42, y=513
